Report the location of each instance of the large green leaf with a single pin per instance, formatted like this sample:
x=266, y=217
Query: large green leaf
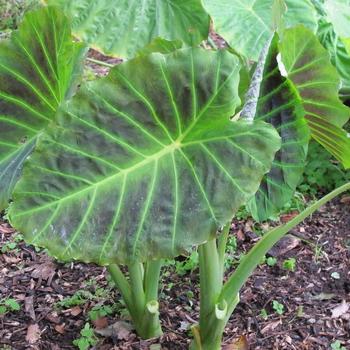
x=308, y=67
x=144, y=163
x=38, y=68
x=272, y=98
x=123, y=27
x=346, y=42
x=248, y=25
x=337, y=21
x=339, y=55
x=338, y=13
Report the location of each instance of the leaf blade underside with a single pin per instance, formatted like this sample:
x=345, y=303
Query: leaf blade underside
x=147, y=162
x=279, y=105
x=309, y=68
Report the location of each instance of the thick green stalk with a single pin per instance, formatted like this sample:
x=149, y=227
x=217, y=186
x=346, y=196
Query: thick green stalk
x=151, y=280
x=136, y=275
x=151, y=324
x=122, y=284
x=222, y=242
x=211, y=313
x=140, y=294
x=210, y=277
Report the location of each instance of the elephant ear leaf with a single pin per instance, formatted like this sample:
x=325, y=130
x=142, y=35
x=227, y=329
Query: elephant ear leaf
x=298, y=95
x=338, y=13
x=309, y=69
x=38, y=70
x=272, y=98
x=144, y=163
x=123, y=27
x=346, y=42
x=340, y=56
x=247, y=25
x=334, y=34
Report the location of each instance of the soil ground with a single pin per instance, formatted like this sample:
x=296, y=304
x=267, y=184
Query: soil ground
x=315, y=297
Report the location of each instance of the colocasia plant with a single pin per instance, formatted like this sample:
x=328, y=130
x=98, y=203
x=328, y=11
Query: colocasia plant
x=158, y=156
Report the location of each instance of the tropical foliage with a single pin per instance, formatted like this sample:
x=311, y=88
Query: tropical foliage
x=36, y=76
x=123, y=27
x=158, y=156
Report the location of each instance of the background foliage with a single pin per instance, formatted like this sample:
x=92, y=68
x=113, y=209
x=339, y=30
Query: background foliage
x=12, y=11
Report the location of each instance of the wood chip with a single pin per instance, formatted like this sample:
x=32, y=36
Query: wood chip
x=44, y=271
x=271, y=326
x=60, y=328
x=29, y=307
x=4, y=228
x=120, y=330
x=341, y=309
x=286, y=244
x=33, y=334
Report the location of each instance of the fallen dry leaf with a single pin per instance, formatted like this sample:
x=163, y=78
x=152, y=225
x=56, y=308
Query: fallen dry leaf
x=345, y=200
x=75, y=311
x=60, y=328
x=100, y=323
x=11, y=259
x=341, y=309
x=120, y=330
x=286, y=244
x=287, y=217
x=239, y=344
x=6, y=229
x=33, y=334
x=240, y=235
x=53, y=317
x=271, y=326
x=44, y=271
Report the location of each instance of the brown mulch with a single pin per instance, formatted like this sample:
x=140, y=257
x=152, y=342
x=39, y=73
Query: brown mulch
x=315, y=296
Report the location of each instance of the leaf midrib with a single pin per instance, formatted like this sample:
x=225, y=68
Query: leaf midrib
x=155, y=157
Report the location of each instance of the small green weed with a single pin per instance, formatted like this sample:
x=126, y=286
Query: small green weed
x=78, y=298
x=9, y=305
x=289, y=264
x=99, y=311
x=188, y=265
x=231, y=249
x=271, y=261
x=87, y=339
x=242, y=213
x=12, y=245
x=337, y=346
x=9, y=246
x=278, y=307
x=318, y=252
x=264, y=314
